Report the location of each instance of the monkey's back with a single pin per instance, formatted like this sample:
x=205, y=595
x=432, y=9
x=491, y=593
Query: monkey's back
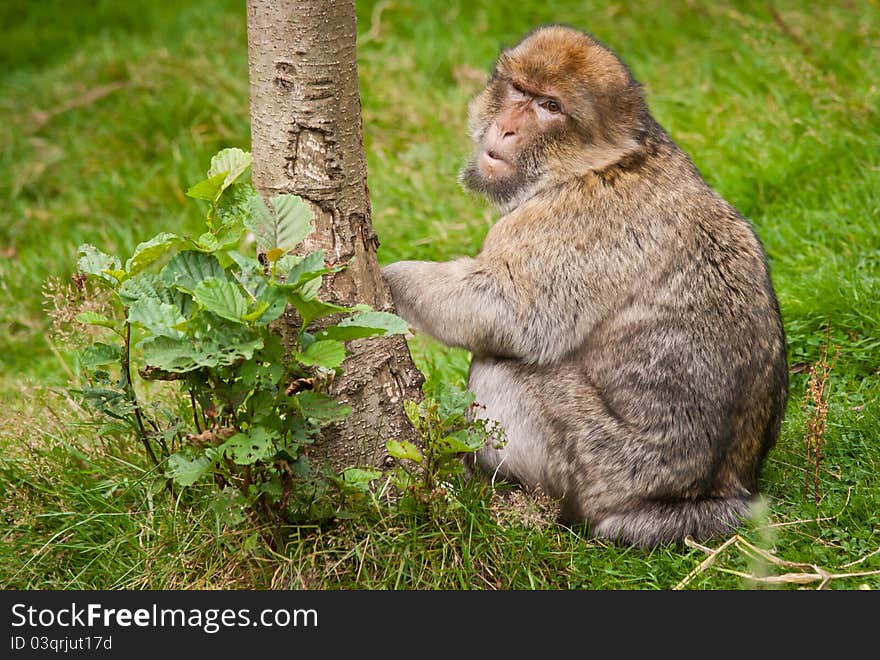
x=698, y=351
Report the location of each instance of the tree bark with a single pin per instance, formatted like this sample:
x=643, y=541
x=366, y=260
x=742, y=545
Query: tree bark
x=306, y=139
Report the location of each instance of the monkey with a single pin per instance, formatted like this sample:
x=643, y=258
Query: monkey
x=624, y=330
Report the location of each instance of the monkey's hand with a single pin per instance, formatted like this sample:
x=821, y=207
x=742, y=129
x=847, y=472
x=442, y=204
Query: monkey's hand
x=456, y=302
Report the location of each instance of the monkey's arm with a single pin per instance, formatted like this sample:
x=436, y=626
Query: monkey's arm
x=464, y=303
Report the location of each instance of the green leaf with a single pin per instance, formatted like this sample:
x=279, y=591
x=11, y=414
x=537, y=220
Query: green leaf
x=309, y=290
x=252, y=372
x=453, y=402
x=229, y=506
x=224, y=238
x=298, y=431
x=288, y=262
x=246, y=264
x=146, y=285
x=186, y=472
x=93, y=318
x=306, y=339
x=250, y=275
x=366, y=324
x=282, y=226
x=360, y=475
x=320, y=407
x=248, y=448
x=360, y=478
x=274, y=351
x=309, y=310
x=108, y=401
x=99, y=355
x=186, y=269
x=221, y=297
x=189, y=354
x=413, y=414
x=234, y=205
x=305, y=268
x=293, y=221
x=117, y=274
x=257, y=311
x=147, y=252
x=94, y=262
x=391, y=323
x=272, y=489
x=275, y=301
x=233, y=162
x=157, y=316
x=143, y=285
x=401, y=449
x=261, y=221
x=327, y=354
x=463, y=441
x=305, y=273
x=347, y=333
x=270, y=300
x=208, y=189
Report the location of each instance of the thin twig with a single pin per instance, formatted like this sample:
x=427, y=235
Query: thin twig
x=787, y=31
x=859, y=561
x=799, y=578
x=773, y=559
x=375, y=23
x=818, y=574
x=707, y=562
x=786, y=578
x=41, y=117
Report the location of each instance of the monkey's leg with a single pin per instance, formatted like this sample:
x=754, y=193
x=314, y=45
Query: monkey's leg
x=503, y=397
x=634, y=485
x=513, y=396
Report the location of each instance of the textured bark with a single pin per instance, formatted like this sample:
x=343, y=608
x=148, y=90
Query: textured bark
x=307, y=140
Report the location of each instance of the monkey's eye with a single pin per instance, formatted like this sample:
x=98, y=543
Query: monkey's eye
x=551, y=105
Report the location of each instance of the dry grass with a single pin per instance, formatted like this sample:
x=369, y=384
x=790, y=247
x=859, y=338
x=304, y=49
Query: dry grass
x=801, y=573
x=815, y=407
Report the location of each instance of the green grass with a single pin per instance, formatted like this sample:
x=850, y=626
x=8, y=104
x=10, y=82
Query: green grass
x=108, y=111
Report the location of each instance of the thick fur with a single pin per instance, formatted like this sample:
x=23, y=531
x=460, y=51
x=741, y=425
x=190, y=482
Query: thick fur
x=624, y=328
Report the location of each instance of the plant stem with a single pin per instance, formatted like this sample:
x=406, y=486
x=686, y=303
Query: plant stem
x=192, y=400
x=132, y=396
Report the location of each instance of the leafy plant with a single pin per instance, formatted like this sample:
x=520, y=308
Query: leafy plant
x=198, y=311
x=449, y=433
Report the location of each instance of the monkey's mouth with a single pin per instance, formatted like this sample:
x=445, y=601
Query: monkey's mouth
x=493, y=165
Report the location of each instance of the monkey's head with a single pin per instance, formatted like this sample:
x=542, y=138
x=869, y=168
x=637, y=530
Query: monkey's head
x=558, y=105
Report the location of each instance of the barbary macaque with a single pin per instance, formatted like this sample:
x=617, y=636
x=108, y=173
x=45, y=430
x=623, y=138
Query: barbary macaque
x=624, y=329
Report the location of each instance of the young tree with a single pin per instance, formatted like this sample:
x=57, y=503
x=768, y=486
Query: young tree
x=307, y=140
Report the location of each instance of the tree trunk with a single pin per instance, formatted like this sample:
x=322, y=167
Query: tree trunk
x=307, y=140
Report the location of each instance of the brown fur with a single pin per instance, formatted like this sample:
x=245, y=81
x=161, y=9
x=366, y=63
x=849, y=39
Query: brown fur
x=625, y=331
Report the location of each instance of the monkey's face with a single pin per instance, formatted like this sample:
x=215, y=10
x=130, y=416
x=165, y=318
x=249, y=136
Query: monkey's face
x=518, y=125
x=559, y=105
